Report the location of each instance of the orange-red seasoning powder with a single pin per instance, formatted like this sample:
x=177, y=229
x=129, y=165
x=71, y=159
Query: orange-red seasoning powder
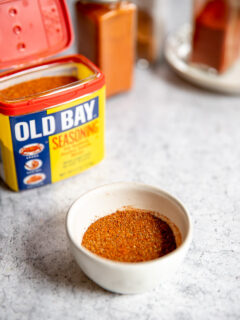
x=130, y=236
x=36, y=86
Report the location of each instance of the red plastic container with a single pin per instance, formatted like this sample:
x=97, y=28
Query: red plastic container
x=64, y=125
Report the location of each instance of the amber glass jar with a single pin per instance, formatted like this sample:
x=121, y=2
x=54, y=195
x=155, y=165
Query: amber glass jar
x=216, y=33
x=150, y=30
x=106, y=32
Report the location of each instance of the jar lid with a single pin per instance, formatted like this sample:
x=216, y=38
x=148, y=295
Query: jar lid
x=31, y=30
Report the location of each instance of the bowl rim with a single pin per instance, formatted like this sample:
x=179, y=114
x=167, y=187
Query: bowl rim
x=112, y=263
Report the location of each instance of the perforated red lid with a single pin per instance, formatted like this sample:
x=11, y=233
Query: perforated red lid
x=31, y=30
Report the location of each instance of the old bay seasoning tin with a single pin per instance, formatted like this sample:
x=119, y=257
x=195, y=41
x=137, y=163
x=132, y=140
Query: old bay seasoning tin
x=55, y=134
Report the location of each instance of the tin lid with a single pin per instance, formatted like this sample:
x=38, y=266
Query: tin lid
x=31, y=30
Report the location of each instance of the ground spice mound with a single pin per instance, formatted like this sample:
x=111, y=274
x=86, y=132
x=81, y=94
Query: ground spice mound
x=129, y=236
x=35, y=86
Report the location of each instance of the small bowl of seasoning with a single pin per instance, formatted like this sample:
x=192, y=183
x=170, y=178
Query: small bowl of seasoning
x=128, y=237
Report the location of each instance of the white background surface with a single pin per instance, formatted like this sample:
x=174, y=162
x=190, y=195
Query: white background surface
x=167, y=133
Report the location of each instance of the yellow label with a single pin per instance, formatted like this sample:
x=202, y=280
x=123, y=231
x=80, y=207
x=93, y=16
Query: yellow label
x=77, y=149
x=7, y=162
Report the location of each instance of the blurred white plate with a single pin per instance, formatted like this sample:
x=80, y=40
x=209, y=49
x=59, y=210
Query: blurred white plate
x=177, y=50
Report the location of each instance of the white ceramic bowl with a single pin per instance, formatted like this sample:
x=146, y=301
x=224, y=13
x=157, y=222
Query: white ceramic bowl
x=124, y=277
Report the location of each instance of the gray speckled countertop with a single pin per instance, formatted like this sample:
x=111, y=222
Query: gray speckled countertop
x=167, y=133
